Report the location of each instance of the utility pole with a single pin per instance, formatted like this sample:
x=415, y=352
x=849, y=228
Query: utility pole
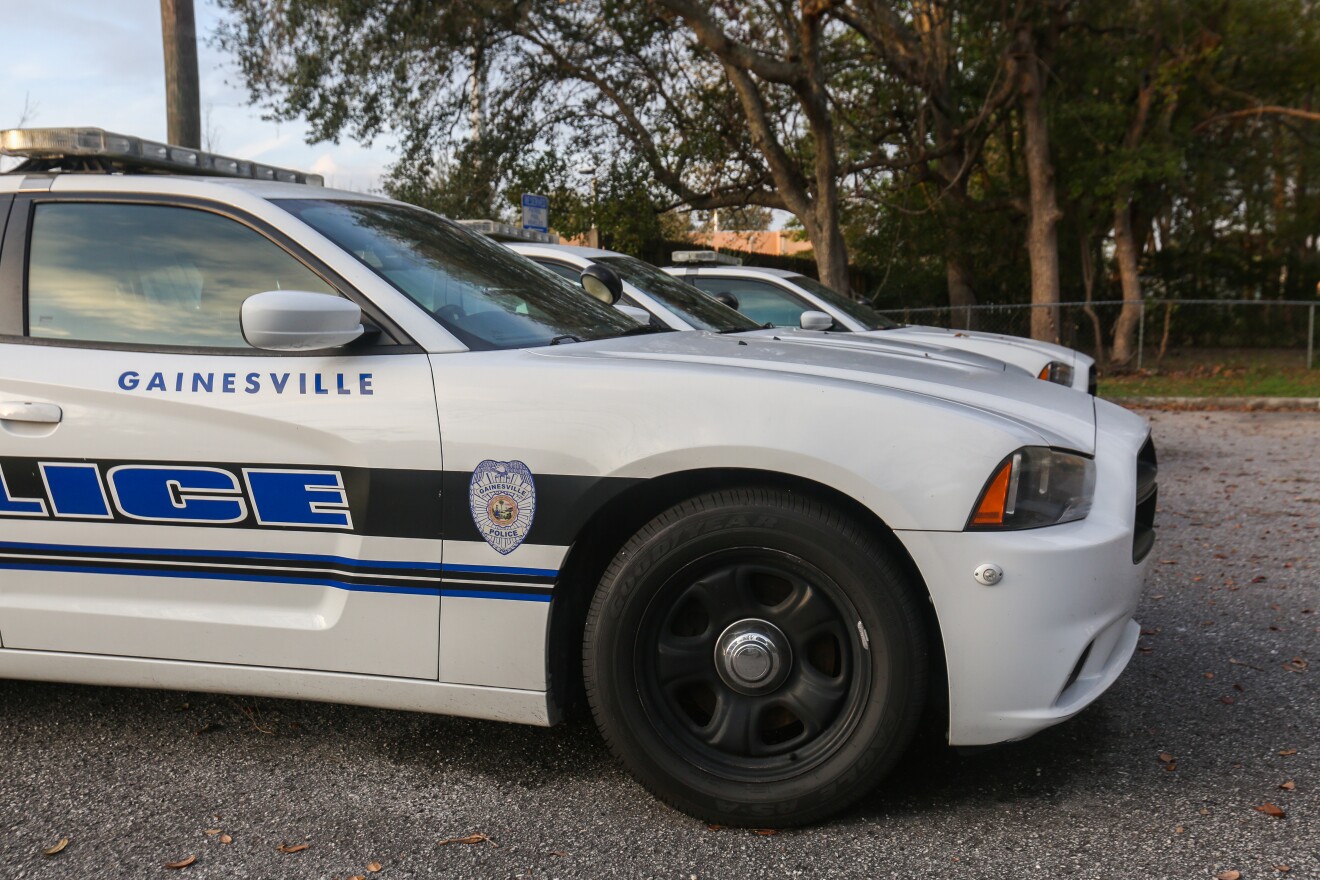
x=182, y=100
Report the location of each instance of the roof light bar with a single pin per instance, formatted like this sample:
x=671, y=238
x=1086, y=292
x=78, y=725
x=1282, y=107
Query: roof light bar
x=714, y=257
x=508, y=232
x=127, y=153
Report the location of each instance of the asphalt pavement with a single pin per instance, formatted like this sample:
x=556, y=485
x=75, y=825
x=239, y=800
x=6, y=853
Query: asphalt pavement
x=1164, y=777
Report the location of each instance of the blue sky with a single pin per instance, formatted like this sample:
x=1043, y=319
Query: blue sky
x=100, y=63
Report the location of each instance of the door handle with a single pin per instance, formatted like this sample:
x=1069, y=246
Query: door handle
x=26, y=411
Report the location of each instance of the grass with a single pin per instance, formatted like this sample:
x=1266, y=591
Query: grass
x=1219, y=373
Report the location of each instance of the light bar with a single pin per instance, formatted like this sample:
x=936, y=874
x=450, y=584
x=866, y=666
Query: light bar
x=715, y=257
x=508, y=232
x=53, y=144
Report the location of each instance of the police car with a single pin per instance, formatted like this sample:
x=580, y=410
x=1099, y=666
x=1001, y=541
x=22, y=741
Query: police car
x=260, y=436
x=656, y=297
x=778, y=297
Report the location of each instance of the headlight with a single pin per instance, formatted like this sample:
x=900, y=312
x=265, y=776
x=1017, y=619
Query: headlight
x=1057, y=372
x=1033, y=487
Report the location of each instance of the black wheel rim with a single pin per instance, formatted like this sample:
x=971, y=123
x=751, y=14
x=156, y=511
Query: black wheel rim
x=700, y=700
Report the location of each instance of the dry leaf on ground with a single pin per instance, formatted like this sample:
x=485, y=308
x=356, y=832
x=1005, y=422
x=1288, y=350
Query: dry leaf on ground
x=1288, y=786
x=373, y=867
x=1229, y=875
x=226, y=839
x=1271, y=810
x=181, y=863
x=1287, y=753
x=211, y=832
x=296, y=848
x=57, y=848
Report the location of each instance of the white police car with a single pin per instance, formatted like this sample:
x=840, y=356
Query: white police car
x=778, y=297
x=264, y=437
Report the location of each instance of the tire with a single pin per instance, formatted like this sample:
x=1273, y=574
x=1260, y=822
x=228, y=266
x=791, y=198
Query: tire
x=755, y=658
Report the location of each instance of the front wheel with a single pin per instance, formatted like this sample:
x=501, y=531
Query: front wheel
x=755, y=658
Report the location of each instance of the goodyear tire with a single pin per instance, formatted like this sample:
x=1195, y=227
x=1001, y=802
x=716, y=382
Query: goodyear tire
x=755, y=658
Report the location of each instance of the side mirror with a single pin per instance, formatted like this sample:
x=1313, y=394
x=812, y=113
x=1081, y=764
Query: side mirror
x=640, y=315
x=603, y=283
x=728, y=299
x=812, y=320
x=296, y=320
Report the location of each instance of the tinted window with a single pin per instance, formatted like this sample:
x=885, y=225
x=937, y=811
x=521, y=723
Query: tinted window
x=482, y=292
x=689, y=303
x=149, y=274
x=761, y=301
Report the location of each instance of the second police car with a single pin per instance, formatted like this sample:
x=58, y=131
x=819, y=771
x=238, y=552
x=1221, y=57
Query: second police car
x=263, y=437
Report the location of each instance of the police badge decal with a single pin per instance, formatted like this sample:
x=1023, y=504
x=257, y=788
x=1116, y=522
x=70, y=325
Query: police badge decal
x=503, y=499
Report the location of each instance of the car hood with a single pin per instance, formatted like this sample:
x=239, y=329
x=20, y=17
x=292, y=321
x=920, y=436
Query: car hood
x=1062, y=418
x=980, y=341
x=915, y=348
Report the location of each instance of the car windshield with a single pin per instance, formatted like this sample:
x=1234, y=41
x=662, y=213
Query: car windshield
x=483, y=293
x=697, y=308
x=853, y=308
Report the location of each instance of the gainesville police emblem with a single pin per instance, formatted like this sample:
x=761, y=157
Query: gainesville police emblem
x=503, y=499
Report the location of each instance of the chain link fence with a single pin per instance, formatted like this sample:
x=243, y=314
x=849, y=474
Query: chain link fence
x=1163, y=325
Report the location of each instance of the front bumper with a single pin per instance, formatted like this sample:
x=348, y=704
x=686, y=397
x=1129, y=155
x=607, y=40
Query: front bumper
x=1057, y=630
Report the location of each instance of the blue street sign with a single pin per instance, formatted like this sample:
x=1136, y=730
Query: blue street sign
x=536, y=212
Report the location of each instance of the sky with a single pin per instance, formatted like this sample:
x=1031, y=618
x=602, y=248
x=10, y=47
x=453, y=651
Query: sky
x=99, y=63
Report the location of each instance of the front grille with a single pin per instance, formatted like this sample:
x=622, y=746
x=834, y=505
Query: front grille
x=1143, y=537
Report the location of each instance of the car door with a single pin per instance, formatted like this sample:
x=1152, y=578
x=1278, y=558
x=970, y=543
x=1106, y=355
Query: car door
x=169, y=492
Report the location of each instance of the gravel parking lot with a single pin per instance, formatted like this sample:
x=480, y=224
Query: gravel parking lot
x=1163, y=777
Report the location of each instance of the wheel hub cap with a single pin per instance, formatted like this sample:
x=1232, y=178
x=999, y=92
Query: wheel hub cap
x=753, y=656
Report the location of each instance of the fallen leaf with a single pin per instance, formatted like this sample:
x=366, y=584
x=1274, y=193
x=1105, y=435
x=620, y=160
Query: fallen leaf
x=1209, y=675
x=181, y=863
x=1283, y=869
x=1171, y=766
x=1296, y=664
x=212, y=832
x=1227, y=701
x=357, y=877
x=1166, y=757
x=557, y=852
x=1229, y=875
x=57, y=848
x=1288, y=786
x=471, y=838
x=226, y=839
x=1179, y=830
x=1203, y=811
x=714, y=827
x=1271, y=810
x=296, y=848
x=373, y=867
x=1287, y=753
x=767, y=832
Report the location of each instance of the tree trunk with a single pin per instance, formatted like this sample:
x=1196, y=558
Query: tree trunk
x=832, y=256
x=182, y=104
x=961, y=293
x=1043, y=203
x=1127, y=256
x=1088, y=292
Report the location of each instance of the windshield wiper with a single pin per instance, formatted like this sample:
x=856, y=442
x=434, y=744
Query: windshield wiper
x=644, y=328
x=559, y=340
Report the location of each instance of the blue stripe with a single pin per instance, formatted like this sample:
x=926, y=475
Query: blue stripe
x=493, y=594
x=223, y=576
x=279, y=579
x=499, y=569
x=224, y=554
x=292, y=557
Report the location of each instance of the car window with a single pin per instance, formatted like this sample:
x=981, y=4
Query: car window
x=694, y=307
x=485, y=294
x=149, y=274
x=854, y=308
x=568, y=273
x=761, y=301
